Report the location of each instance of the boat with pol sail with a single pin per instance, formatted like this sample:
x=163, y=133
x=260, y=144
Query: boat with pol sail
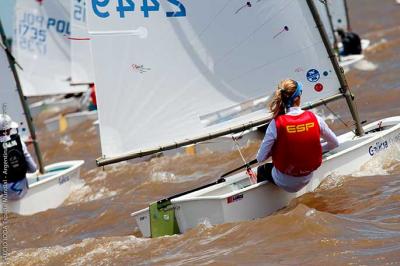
x=42, y=46
x=81, y=69
x=53, y=183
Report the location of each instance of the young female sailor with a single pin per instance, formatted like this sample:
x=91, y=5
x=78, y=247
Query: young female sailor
x=293, y=140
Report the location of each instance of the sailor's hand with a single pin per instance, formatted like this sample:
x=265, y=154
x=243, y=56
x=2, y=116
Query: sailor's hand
x=29, y=140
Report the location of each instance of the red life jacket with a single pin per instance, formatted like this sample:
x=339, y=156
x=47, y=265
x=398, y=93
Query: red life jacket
x=93, y=95
x=297, y=150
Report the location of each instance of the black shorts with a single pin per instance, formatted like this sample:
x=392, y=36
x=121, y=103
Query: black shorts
x=264, y=172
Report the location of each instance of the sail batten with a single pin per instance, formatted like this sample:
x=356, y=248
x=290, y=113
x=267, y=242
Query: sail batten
x=163, y=79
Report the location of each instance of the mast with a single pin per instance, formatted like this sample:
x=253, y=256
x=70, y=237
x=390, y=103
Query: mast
x=343, y=83
x=27, y=113
x=105, y=161
x=335, y=41
x=346, y=7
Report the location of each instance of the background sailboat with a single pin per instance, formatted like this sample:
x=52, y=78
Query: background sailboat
x=335, y=15
x=52, y=185
x=42, y=48
x=81, y=69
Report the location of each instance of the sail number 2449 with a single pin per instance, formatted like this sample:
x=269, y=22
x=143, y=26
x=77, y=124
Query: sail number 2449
x=122, y=6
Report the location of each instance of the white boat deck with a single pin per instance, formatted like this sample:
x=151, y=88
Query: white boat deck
x=48, y=190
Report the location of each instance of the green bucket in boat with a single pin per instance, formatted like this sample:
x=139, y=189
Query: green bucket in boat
x=162, y=219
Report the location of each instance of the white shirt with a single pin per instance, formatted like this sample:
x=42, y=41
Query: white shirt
x=287, y=182
x=30, y=163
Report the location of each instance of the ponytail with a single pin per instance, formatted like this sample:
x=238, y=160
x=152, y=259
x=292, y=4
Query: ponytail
x=277, y=106
x=283, y=97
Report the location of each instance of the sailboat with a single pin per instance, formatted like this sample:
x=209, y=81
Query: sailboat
x=334, y=16
x=175, y=73
x=52, y=185
x=41, y=46
x=340, y=17
x=81, y=66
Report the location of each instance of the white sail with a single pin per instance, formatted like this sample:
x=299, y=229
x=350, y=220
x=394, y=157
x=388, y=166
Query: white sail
x=10, y=101
x=81, y=53
x=172, y=70
x=42, y=46
x=323, y=14
x=338, y=12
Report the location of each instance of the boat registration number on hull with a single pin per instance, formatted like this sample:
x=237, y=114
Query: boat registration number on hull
x=383, y=145
x=234, y=198
x=63, y=179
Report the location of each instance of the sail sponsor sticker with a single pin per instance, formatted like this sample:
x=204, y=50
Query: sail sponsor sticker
x=313, y=75
x=140, y=68
x=318, y=87
x=382, y=145
x=234, y=198
x=377, y=147
x=106, y=8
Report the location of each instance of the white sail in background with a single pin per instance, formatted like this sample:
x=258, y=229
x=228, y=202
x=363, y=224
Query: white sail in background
x=10, y=101
x=337, y=10
x=168, y=70
x=81, y=53
x=323, y=14
x=42, y=46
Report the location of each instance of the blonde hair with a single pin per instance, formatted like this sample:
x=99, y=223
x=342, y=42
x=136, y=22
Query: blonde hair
x=285, y=90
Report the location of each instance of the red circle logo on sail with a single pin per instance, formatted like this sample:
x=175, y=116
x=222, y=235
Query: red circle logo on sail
x=318, y=87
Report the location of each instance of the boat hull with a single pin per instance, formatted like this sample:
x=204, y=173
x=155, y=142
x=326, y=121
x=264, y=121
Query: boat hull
x=47, y=191
x=54, y=105
x=237, y=200
x=73, y=119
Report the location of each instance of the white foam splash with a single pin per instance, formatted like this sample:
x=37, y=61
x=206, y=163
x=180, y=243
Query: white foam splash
x=376, y=44
x=112, y=246
x=310, y=213
x=101, y=175
x=365, y=65
x=167, y=177
x=204, y=223
x=66, y=140
x=381, y=163
x=164, y=177
x=101, y=194
x=332, y=181
x=215, y=237
x=86, y=194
